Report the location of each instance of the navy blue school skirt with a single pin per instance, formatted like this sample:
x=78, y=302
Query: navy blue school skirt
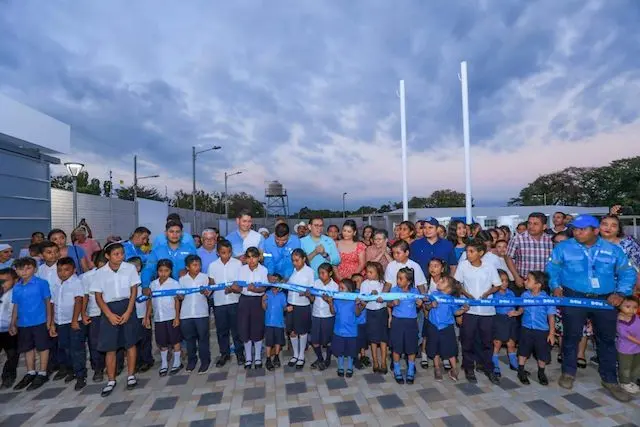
x=250, y=319
x=322, y=330
x=378, y=326
x=273, y=336
x=505, y=328
x=299, y=320
x=404, y=335
x=115, y=337
x=344, y=346
x=441, y=342
x=166, y=334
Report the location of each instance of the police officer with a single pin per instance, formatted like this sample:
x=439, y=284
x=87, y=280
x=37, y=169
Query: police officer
x=588, y=266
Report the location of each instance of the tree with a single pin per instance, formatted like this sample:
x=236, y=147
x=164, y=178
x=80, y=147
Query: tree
x=242, y=200
x=150, y=193
x=565, y=187
x=417, y=202
x=86, y=186
x=364, y=210
x=445, y=199
x=107, y=188
x=205, y=202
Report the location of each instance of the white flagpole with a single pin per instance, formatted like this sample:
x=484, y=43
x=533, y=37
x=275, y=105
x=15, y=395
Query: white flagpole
x=467, y=148
x=403, y=136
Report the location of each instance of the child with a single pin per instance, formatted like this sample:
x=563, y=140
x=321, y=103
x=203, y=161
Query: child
x=34, y=252
x=67, y=326
x=8, y=342
x=194, y=316
x=299, y=316
x=439, y=330
x=538, y=328
x=166, y=318
x=345, y=329
x=48, y=271
x=250, y=313
x=505, y=327
x=274, y=304
x=362, y=342
x=400, y=252
x=31, y=320
x=322, y=320
x=115, y=286
x=404, y=325
x=145, y=335
x=437, y=270
x=628, y=345
x=480, y=280
x=377, y=316
x=224, y=270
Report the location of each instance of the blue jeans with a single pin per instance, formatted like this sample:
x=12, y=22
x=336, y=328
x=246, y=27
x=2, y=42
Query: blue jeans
x=72, y=353
x=604, y=331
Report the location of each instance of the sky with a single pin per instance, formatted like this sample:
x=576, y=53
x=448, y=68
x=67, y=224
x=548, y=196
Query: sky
x=306, y=92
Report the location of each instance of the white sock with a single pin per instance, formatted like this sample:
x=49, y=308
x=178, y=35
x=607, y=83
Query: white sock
x=164, y=354
x=31, y=372
x=303, y=346
x=258, y=351
x=42, y=373
x=247, y=351
x=424, y=356
x=294, y=343
x=176, y=359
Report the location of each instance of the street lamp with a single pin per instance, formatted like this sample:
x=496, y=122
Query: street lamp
x=226, y=194
x=344, y=211
x=137, y=178
x=194, y=156
x=74, y=170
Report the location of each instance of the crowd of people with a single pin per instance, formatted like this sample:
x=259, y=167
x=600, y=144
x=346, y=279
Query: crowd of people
x=61, y=301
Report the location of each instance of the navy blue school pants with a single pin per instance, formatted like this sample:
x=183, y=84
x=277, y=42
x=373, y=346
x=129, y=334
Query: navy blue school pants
x=9, y=344
x=473, y=325
x=226, y=317
x=196, y=333
x=145, y=345
x=72, y=352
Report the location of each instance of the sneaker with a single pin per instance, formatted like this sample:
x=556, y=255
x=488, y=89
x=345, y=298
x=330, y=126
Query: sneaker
x=37, y=382
x=269, y=364
x=453, y=374
x=204, y=368
x=24, y=382
x=566, y=381
x=630, y=388
x=617, y=392
x=276, y=361
x=471, y=376
x=322, y=366
x=437, y=374
x=542, y=378
x=191, y=367
x=80, y=383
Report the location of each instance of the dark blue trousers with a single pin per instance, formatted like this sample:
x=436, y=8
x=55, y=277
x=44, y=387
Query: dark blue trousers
x=604, y=331
x=72, y=352
x=226, y=317
x=196, y=333
x=145, y=345
x=473, y=326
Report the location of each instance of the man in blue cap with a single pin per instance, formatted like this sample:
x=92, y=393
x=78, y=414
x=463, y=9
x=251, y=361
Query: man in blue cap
x=588, y=266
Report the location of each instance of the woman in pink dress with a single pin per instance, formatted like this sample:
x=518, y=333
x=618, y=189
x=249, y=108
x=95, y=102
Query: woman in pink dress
x=352, y=252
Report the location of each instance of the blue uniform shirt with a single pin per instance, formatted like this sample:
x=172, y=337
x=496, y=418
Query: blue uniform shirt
x=207, y=257
x=601, y=269
x=131, y=250
x=345, y=324
x=176, y=256
x=459, y=251
x=239, y=245
x=362, y=318
x=161, y=240
x=274, y=315
x=443, y=315
x=278, y=259
x=76, y=253
x=30, y=298
x=407, y=307
x=422, y=252
x=308, y=245
x=504, y=309
x=537, y=316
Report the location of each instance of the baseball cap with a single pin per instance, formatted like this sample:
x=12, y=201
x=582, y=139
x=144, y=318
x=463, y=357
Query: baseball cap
x=584, y=221
x=431, y=220
x=4, y=247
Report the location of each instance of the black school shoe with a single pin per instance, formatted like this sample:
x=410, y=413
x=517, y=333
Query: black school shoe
x=80, y=383
x=276, y=361
x=223, y=359
x=542, y=377
x=269, y=364
x=38, y=382
x=7, y=383
x=471, y=376
x=61, y=374
x=70, y=377
x=493, y=378
x=25, y=382
x=98, y=377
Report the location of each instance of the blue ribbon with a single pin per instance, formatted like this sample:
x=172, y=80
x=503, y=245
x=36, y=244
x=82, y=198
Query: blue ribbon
x=392, y=296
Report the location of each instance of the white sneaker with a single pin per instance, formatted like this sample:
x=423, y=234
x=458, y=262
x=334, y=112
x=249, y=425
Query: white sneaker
x=630, y=388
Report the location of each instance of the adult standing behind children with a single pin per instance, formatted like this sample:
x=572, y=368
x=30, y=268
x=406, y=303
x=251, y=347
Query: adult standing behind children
x=588, y=266
x=318, y=247
x=208, y=252
x=75, y=252
x=244, y=237
x=277, y=252
x=6, y=255
x=133, y=246
x=529, y=251
x=423, y=250
x=161, y=239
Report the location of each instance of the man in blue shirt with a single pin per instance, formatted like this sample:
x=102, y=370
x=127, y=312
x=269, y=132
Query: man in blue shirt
x=244, y=237
x=133, y=246
x=277, y=252
x=161, y=239
x=423, y=250
x=175, y=250
x=587, y=266
x=319, y=247
x=208, y=252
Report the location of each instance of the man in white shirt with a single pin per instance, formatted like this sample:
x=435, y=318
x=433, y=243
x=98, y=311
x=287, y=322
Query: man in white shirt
x=244, y=237
x=226, y=270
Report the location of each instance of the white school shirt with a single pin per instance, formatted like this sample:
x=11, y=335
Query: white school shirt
x=259, y=275
x=302, y=277
x=368, y=286
x=194, y=306
x=141, y=307
x=490, y=258
x=6, y=310
x=64, y=298
x=477, y=281
x=320, y=307
x=92, y=306
x=115, y=285
x=225, y=273
x=50, y=274
x=164, y=308
x=391, y=273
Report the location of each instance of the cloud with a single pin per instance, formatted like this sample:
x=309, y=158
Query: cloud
x=306, y=94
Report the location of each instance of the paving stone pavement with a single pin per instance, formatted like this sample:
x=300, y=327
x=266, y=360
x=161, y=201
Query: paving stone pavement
x=233, y=397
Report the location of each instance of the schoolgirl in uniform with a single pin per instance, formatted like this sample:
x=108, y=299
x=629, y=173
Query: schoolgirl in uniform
x=322, y=320
x=299, y=317
x=377, y=324
x=344, y=343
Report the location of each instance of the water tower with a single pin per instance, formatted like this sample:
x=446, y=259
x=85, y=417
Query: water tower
x=277, y=202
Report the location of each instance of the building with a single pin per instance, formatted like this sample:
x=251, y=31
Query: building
x=29, y=142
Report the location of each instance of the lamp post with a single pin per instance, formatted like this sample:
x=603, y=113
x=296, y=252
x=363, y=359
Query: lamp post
x=344, y=211
x=194, y=156
x=226, y=194
x=137, y=178
x=467, y=145
x=403, y=140
x=74, y=170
